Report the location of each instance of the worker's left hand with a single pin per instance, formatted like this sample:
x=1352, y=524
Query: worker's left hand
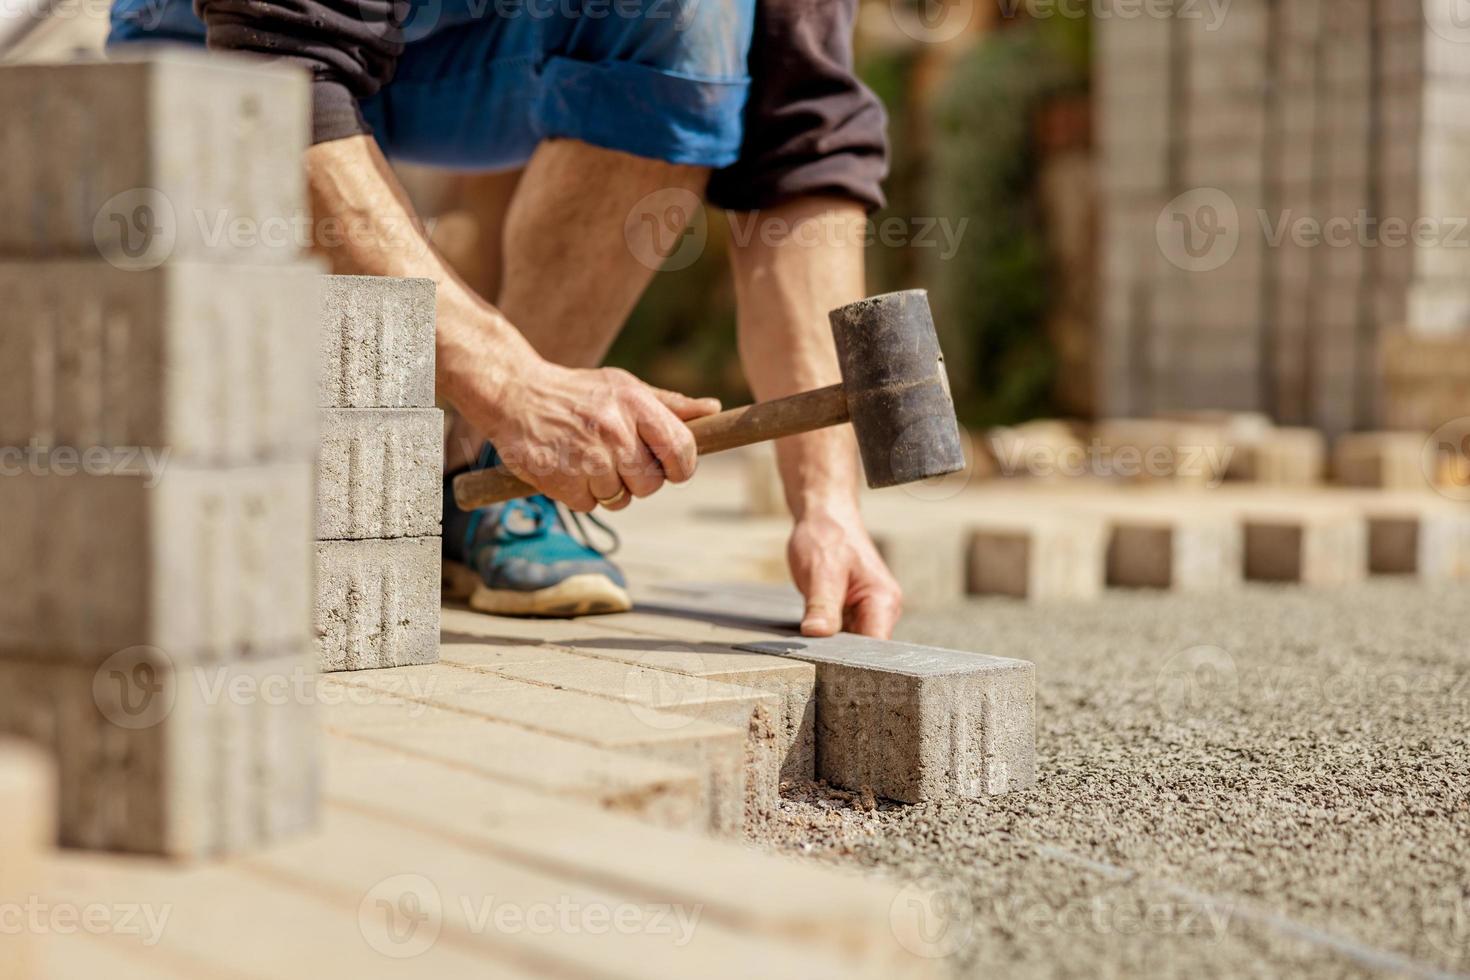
x=836, y=566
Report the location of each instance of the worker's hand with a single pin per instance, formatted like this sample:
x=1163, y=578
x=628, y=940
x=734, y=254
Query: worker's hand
x=580, y=436
x=836, y=566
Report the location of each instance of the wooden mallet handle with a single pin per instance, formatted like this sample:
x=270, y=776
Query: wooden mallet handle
x=760, y=422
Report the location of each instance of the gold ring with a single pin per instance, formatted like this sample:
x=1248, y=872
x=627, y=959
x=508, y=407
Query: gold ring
x=616, y=498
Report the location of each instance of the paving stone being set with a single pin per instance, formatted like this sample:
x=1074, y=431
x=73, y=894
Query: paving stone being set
x=379, y=496
x=155, y=619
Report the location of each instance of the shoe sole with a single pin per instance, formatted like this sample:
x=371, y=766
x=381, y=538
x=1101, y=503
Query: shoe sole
x=579, y=595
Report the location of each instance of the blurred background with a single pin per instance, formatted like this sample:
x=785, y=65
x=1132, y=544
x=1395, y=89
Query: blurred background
x=1120, y=207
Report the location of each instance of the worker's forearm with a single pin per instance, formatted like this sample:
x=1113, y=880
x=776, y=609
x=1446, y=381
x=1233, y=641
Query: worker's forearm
x=365, y=225
x=793, y=264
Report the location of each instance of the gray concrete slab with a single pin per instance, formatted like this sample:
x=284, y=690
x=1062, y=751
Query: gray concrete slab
x=917, y=723
x=377, y=603
x=376, y=343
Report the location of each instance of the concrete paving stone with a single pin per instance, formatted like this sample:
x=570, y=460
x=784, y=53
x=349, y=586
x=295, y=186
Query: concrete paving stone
x=201, y=563
x=1181, y=552
x=666, y=693
x=507, y=758
x=1151, y=449
x=161, y=758
x=917, y=723
x=1281, y=457
x=854, y=917
x=218, y=914
x=376, y=342
x=1318, y=546
x=198, y=363
x=1039, y=558
x=380, y=473
x=681, y=644
x=377, y=603
x=1413, y=535
x=716, y=752
x=175, y=156
x=27, y=798
x=928, y=559
x=765, y=495
x=1389, y=460
x=554, y=929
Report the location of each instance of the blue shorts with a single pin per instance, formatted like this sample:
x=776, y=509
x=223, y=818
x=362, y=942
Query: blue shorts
x=481, y=82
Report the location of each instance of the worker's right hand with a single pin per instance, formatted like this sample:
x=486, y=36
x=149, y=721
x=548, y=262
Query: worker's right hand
x=582, y=436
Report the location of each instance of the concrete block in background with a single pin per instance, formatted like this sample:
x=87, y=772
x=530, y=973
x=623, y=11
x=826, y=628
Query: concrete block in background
x=765, y=496
x=1185, y=553
x=928, y=560
x=175, y=156
x=1423, y=538
x=200, y=363
x=376, y=342
x=377, y=603
x=28, y=800
x=1042, y=449
x=159, y=757
x=918, y=723
x=1039, y=558
x=1295, y=457
x=379, y=473
x=1153, y=449
x=204, y=564
x=1310, y=547
x=1389, y=460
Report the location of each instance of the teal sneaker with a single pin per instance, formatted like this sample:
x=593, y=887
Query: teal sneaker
x=520, y=558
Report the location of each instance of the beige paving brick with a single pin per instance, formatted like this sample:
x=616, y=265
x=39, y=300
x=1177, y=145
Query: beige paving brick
x=376, y=342
x=928, y=560
x=856, y=918
x=670, y=695
x=504, y=755
x=195, y=362
x=715, y=751
x=203, y=909
x=377, y=603
x=27, y=798
x=679, y=644
x=559, y=923
x=204, y=563
x=379, y=473
x=137, y=191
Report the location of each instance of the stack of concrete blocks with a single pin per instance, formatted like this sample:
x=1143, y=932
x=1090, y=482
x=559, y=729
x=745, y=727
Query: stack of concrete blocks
x=1135, y=115
x=379, y=478
x=1331, y=128
x=157, y=392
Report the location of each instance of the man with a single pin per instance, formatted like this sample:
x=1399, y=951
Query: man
x=611, y=107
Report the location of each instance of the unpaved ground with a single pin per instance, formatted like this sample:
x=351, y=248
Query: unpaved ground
x=1271, y=783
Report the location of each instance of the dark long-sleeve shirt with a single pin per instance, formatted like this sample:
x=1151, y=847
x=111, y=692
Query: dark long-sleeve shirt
x=810, y=126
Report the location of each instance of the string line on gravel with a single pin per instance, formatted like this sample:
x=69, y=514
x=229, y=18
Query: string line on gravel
x=1370, y=956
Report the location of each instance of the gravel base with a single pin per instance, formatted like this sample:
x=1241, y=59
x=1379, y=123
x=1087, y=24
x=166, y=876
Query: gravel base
x=1274, y=781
